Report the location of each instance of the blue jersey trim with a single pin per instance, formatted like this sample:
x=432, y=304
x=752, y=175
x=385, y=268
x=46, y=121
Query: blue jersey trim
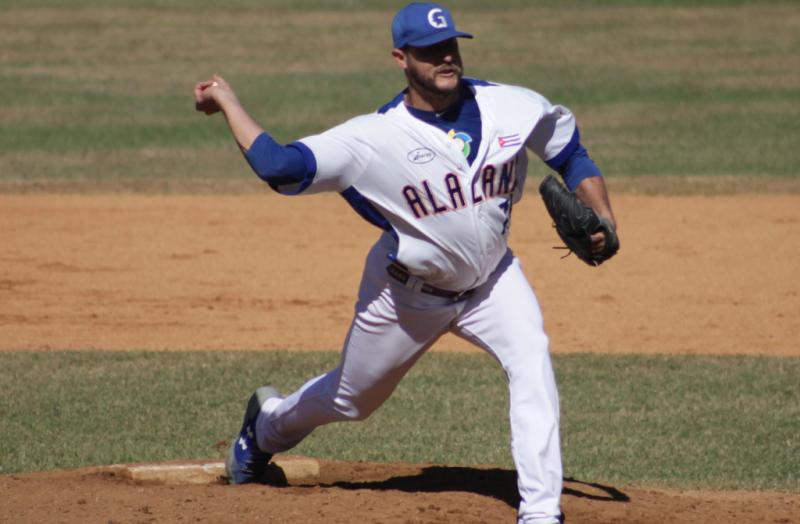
x=396, y=101
x=281, y=165
x=366, y=210
x=310, y=171
x=478, y=82
x=578, y=168
x=311, y=164
x=557, y=162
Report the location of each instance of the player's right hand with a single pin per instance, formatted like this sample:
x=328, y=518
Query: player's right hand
x=205, y=92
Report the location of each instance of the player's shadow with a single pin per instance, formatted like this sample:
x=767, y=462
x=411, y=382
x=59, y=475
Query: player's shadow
x=500, y=484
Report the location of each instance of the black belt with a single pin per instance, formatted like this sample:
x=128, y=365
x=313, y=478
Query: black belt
x=399, y=273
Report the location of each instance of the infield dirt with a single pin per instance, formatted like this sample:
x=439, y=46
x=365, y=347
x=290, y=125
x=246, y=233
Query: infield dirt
x=696, y=275
x=348, y=492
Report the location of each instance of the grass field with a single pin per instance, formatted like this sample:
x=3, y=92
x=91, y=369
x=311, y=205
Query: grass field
x=101, y=92
x=673, y=421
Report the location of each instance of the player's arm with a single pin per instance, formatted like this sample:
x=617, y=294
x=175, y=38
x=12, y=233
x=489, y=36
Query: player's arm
x=272, y=162
x=582, y=176
x=215, y=95
x=592, y=192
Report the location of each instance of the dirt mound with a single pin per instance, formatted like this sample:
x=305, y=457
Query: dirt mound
x=348, y=492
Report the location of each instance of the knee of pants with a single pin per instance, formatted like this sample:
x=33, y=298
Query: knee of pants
x=521, y=357
x=352, y=408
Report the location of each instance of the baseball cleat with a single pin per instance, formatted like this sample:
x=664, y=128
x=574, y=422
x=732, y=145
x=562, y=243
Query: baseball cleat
x=246, y=462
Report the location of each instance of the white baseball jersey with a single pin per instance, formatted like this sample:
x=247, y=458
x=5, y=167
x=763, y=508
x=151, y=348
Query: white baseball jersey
x=449, y=220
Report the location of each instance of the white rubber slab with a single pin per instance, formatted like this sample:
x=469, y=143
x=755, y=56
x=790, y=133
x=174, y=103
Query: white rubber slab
x=285, y=469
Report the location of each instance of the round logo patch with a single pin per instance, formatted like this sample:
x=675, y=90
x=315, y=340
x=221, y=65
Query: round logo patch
x=462, y=140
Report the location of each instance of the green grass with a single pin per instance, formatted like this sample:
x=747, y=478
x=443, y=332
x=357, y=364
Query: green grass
x=101, y=91
x=707, y=422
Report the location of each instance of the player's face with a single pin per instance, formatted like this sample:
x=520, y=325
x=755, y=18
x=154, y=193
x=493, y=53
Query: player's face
x=437, y=68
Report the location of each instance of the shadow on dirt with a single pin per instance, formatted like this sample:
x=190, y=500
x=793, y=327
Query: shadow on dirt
x=500, y=484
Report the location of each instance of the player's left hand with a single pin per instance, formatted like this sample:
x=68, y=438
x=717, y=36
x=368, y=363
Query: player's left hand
x=599, y=240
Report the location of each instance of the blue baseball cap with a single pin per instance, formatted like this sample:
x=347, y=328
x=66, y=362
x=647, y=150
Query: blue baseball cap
x=423, y=24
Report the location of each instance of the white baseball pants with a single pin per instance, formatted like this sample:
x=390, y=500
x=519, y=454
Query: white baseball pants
x=392, y=328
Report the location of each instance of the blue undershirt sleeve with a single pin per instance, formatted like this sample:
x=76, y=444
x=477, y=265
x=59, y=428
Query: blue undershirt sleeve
x=577, y=167
x=281, y=165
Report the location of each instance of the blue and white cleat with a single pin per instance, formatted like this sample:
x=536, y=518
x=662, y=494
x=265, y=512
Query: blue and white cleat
x=246, y=462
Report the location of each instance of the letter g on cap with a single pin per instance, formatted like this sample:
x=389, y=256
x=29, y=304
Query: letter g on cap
x=436, y=18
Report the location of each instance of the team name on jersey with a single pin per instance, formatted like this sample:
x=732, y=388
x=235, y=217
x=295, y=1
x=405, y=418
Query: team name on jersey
x=490, y=183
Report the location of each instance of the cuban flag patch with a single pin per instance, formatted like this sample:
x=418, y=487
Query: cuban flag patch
x=510, y=140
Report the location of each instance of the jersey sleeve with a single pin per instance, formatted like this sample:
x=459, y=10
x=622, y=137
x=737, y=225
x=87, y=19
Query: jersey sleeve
x=340, y=154
x=276, y=164
x=555, y=136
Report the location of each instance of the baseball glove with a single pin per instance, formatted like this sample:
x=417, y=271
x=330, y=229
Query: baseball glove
x=576, y=223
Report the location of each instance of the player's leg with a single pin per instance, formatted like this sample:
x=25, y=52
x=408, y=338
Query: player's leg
x=392, y=328
x=504, y=318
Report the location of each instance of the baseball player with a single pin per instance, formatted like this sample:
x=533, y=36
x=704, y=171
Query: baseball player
x=437, y=170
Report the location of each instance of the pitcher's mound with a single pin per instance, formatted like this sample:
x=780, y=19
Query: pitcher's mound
x=347, y=492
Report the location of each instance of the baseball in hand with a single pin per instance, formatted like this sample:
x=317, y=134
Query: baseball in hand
x=204, y=103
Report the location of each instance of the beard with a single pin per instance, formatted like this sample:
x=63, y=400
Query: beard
x=428, y=84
